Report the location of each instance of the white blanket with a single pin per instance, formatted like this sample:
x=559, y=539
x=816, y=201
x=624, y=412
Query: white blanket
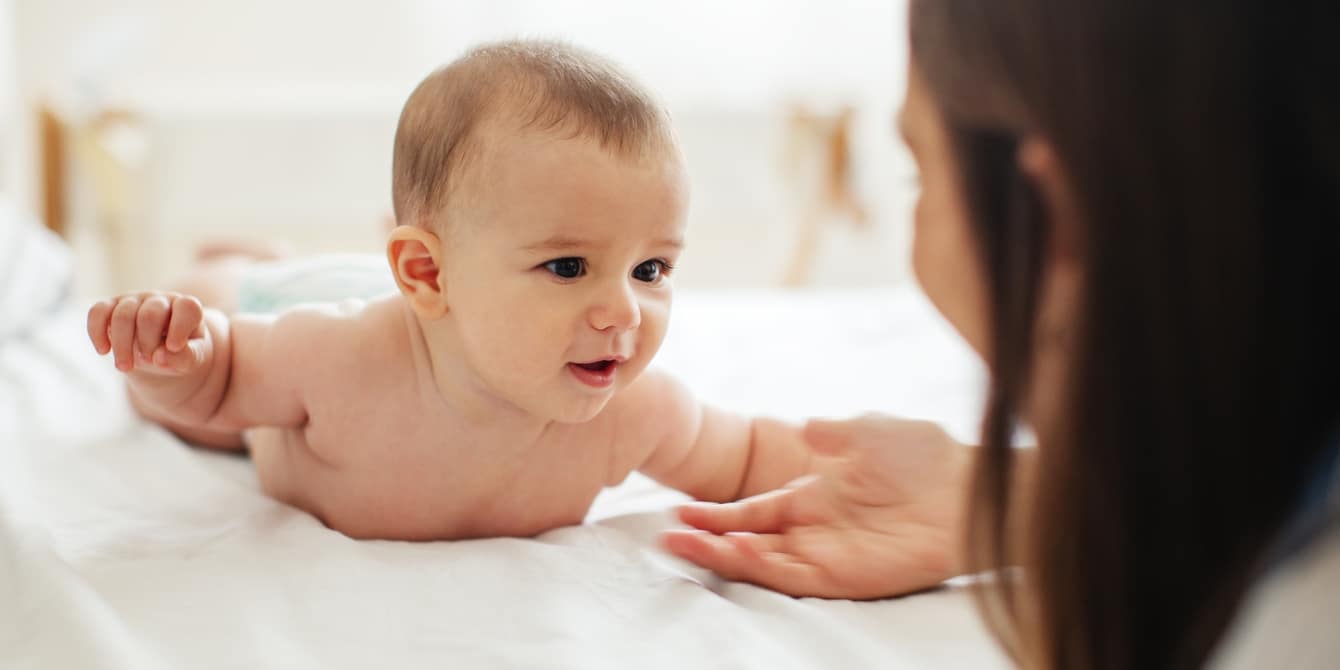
x=120, y=547
x=34, y=270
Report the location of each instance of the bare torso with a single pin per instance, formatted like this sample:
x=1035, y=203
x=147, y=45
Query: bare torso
x=383, y=455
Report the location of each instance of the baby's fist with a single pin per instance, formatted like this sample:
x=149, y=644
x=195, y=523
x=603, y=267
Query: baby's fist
x=156, y=332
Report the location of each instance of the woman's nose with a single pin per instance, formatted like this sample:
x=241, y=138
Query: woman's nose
x=616, y=308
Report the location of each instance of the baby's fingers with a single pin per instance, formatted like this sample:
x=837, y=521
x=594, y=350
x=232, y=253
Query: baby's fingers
x=187, y=313
x=151, y=322
x=179, y=362
x=122, y=332
x=98, y=317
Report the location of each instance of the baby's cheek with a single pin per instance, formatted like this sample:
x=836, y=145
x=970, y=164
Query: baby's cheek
x=629, y=372
x=655, y=321
x=512, y=354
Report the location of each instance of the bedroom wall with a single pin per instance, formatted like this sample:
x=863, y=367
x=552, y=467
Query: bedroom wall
x=13, y=147
x=250, y=118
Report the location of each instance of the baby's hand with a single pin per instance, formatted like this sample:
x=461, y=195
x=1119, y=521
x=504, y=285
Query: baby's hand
x=161, y=333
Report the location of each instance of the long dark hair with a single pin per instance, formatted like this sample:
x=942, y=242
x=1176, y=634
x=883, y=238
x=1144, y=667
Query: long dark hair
x=1201, y=139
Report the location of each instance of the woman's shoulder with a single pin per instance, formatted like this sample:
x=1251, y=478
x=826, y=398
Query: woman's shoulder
x=1291, y=619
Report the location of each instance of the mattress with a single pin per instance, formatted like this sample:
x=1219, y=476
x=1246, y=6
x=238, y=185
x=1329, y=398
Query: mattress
x=122, y=547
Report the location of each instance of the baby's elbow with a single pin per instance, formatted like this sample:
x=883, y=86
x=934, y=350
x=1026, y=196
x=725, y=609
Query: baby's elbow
x=351, y=525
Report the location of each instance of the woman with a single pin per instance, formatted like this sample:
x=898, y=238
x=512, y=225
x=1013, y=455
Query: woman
x=1130, y=209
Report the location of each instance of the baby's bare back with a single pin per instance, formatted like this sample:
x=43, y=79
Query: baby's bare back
x=382, y=455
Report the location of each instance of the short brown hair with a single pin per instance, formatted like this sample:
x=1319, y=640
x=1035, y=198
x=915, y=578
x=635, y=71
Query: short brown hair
x=541, y=84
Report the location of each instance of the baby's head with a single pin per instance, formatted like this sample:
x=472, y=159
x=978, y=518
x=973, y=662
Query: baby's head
x=541, y=201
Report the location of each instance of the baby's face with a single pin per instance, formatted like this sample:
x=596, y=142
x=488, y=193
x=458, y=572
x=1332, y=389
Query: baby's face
x=557, y=268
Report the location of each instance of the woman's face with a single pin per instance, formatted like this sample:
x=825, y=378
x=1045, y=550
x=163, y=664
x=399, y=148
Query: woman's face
x=944, y=256
x=946, y=260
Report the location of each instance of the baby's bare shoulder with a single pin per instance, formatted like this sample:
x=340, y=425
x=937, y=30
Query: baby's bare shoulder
x=654, y=398
x=349, y=318
x=642, y=417
x=341, y=344
x=350, y=349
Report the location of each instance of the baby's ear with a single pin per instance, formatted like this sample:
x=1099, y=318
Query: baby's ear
x=416, y=261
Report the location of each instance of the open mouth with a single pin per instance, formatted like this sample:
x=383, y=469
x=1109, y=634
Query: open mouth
x=596, y=374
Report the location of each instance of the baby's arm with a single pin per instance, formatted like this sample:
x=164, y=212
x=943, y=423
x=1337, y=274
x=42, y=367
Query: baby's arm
x=709, y=453
x=196, y=369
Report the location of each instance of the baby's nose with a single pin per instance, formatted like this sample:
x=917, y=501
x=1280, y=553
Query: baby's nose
x=616, y=309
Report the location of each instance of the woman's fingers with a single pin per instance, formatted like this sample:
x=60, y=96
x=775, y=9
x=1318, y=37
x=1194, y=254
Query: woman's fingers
x=747, y=558
x=763, y=513
x=828, y=437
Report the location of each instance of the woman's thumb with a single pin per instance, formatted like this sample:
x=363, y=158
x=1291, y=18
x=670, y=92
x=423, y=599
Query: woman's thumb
x=828, y=437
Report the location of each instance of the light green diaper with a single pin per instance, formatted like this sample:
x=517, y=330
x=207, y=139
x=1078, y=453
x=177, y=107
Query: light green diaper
x=275, y=286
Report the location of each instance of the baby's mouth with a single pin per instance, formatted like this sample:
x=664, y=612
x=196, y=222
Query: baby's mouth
x=597, y=366
x=596, y=374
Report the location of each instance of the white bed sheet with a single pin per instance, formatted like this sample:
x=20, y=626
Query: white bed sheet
x=120, y=547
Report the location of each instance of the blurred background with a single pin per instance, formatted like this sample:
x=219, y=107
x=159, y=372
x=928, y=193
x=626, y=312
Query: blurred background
x=139, y=129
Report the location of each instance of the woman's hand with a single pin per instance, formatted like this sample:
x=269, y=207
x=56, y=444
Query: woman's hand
x=883, y=516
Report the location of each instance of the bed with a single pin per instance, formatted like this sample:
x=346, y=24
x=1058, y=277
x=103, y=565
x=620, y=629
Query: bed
x=122, y=547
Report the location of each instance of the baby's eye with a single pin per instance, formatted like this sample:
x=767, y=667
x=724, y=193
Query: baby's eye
x=566, y=268
x=651, y=271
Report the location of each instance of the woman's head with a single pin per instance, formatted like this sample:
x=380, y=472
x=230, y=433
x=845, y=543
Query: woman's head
x=1130, y=208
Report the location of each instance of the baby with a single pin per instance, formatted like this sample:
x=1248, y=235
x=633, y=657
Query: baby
x=541, y=200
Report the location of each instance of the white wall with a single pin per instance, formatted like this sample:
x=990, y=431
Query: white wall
x=732, y=53
x=275, y=115
x=15, y=144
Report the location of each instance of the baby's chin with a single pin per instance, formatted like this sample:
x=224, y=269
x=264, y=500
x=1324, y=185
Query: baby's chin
x=582, y=412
